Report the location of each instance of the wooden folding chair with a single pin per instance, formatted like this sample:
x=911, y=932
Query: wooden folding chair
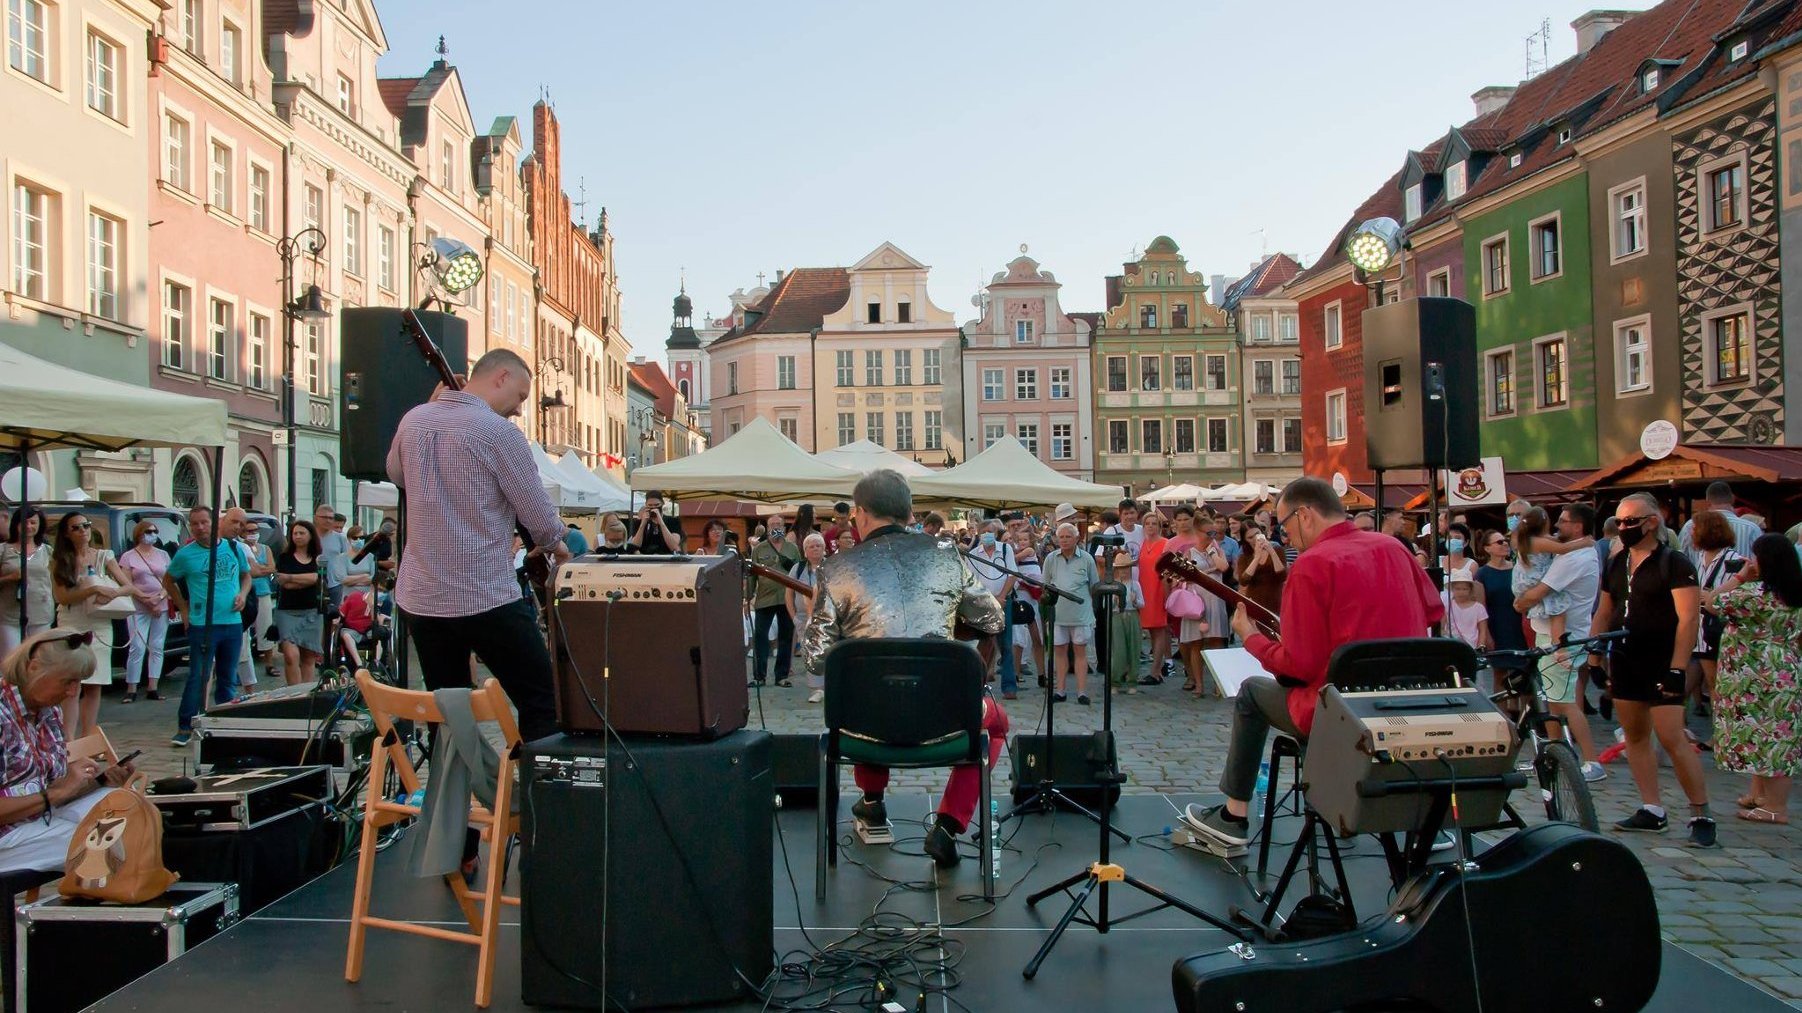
x=481, y=909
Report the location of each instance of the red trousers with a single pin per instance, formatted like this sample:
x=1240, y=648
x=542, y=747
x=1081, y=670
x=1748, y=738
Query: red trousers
x=963, y=789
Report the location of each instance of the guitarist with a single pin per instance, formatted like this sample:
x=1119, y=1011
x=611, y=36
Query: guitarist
x=1345, y=585
x=469, y=477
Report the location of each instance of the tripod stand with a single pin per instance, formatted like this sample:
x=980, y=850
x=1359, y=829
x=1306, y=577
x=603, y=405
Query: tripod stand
x=1046, y=797
x=1100, y=873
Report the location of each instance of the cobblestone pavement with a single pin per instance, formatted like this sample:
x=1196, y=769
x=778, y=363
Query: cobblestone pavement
x=1739, y=905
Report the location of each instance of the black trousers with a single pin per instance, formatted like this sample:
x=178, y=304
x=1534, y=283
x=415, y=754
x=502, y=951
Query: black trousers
x=760, y=642
x=508, y=641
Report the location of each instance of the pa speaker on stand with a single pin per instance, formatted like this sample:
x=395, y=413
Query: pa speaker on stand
x=382, y=376
x=1420, y=384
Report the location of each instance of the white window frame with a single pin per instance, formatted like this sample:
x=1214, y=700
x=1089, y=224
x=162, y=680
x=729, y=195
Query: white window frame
x=1063, y=443
x=1258, y=430
x=933, y=426
x=188, y=21
x=311, y=215
x=1738, y=51
x=1711, y=354
x=1439, y=283
x=1028, y=435
x=1062, y=382
x=1412, y=203
x=1148, y=425
x=259, y=335
x=178, y=157
x=22, y=55
x=1260, y=327
x=106, y=295
x=221, y=180
x=384, y=257
x=1178, y=444
x=25, y=252
x=992, y=432
x=1107, y=374
x=1263, y=385
x=1332, y=324
x=1176, y=375
x=1288, y=328
x=352, y=227
x=844, y=365
x=847, y=428
x=872, y=367
x=785, y=372
x=873, y=428
x=256, y=205
x=1290, y=446
x=101, y=79
x=219, y=337
x=1534, y=229
x=1335, y=401
x=231, y=51
x=315, y=345
x=904, y=431
x=1209, y=373
x=347, y=95
x=1648, y=81
x=1514, y=159
x=1023, y=332
x=1283, y=378
x=1157, y=373
x=731, y=378
x=447, y=165
x=1624, y=351
x=1705, y=196
x=789, y=426
x=1125, y=444
x=1539, y=388
x=1026, y=384
x=1616, y=217
x=930, y=366
x=1225, y=428
x=1455, y=182
x=994, y=384
x=177, y=322
x=1499, y=240
x=904, y=367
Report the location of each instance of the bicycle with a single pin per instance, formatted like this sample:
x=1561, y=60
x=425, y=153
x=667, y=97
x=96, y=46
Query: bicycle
x=1555, y=764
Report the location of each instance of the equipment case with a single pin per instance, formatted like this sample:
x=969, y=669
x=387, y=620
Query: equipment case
x=73, y=952
x=244, y=800
x=229, y=743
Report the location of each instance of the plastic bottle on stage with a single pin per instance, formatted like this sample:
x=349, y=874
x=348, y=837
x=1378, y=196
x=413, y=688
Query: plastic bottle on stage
x=1263, y=784
x=994, y=840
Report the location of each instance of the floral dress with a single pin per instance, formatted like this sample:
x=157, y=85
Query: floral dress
x=1758, y=729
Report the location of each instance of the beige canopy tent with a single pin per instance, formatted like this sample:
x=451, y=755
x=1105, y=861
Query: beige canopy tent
x=755, y=463
x=864, y=457
x=1182, y=492
x=44, y=406
x=1007, y=477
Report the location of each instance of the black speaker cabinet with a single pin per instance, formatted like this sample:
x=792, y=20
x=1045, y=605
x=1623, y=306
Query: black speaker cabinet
x=653, y=871
x=1421, y=388
x=797, y=768
x=382, y=376
x=1075, y=761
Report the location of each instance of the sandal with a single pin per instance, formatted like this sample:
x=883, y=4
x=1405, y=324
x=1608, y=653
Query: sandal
x=1749, y=801
x=1189, y=687
x=1759, y=814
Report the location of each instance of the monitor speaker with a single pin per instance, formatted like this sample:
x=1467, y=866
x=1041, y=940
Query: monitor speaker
x=1420, y=384
x=1076, y=765
x=382, y=376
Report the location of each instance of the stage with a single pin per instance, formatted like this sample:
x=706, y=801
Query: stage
x=290, y=956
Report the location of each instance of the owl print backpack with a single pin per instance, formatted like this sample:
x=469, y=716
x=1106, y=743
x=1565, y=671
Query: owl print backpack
x=117, y=851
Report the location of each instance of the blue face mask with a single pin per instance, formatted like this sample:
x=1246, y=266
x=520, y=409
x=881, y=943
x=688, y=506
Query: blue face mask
x=1513, y=521
x=1455, y=546
x=988, y=539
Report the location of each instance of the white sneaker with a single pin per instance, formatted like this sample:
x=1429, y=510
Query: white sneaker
x=1593, y=771
x=816, y=696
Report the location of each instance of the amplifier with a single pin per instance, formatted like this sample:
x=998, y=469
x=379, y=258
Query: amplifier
x=655, y=643
x=1362, y=742
x=1076, y=763
x=654, y=874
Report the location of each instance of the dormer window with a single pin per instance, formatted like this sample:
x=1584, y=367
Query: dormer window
x=1563, y=135
x=1411, y=202
x=1648, y=81
x=1454, y=181
x=1739, y=50
x=1514, y=160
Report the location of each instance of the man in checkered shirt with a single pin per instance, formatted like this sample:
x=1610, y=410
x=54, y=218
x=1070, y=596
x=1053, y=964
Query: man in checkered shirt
x=469, y=475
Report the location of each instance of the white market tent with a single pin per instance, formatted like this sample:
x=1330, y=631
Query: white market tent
x=864, y=457
x=1240, y=492
x=1181, y=492
x=590, y=490
x=378, y=495
x=755, y=463
x=1007, y=476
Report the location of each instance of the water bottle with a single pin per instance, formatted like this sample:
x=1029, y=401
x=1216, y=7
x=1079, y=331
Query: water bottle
x=994, y=840
x=1263, y=785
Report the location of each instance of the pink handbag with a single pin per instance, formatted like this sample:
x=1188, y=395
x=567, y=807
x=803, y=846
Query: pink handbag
x=1185, y=604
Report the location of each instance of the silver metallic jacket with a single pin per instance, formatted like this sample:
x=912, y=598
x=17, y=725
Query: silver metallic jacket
x=896, y=584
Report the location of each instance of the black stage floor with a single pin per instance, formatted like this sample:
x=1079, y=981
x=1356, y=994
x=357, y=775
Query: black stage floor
x=290, y=955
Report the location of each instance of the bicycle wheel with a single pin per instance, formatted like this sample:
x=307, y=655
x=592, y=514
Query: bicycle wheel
x=1561, y=781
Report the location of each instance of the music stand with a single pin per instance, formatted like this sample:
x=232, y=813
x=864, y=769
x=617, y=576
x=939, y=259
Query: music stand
x=1103, y=871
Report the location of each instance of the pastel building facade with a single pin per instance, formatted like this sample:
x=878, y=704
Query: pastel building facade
x=1026, y=371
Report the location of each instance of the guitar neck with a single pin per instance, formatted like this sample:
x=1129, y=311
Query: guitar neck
x=1186, y=570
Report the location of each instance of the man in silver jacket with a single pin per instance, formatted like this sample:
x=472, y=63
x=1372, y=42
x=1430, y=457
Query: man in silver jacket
x=897, y=583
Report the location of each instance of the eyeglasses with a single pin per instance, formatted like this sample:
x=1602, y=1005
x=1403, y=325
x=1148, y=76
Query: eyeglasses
x=1630, y=522
x=1283, y=522
x=71, y=637
x=83, y=526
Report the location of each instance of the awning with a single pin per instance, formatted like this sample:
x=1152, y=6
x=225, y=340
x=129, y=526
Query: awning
x=1007, y=476
x=46, y=406
x=864, y=457
x=756, y=463
x=1700, y=464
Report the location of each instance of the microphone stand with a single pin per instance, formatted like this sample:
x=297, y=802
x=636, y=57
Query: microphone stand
x=1046, y=796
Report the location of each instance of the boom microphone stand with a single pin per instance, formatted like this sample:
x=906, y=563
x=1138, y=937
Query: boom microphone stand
x=1102, y=872
x=1045, y=797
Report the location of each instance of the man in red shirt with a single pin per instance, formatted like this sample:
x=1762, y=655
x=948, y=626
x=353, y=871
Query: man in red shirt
x=841, y=521
x=1346, y=585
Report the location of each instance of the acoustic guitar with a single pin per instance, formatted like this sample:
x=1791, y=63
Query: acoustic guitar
x=538, y=564
x=1184, y=569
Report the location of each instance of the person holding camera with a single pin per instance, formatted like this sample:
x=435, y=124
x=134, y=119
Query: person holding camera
x=652, y=532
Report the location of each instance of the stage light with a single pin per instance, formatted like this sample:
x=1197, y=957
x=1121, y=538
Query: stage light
x=1374, y=244
x=456, y=265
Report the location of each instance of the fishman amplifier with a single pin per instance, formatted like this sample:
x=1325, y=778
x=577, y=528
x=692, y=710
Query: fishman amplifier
x=656, y=643
x=1362, y=741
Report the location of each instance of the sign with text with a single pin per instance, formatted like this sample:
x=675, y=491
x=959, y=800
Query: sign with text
x=1478, y=486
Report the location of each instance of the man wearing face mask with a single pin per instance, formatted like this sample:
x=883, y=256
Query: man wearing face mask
x=1345, y=585
x=780, y=555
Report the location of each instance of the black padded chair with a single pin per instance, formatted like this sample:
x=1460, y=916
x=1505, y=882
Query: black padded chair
x=900, y=703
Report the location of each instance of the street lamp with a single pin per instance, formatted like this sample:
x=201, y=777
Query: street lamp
x=308, y=307
x=548, y=402
x=1170, y=466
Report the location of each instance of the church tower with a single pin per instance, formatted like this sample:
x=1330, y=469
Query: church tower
x=687, y=359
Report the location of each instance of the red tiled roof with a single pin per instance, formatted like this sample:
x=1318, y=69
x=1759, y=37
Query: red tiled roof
x=283, y=17
x=394, y=92
x=650, y=376
x=798, y=303
x=1276, y=270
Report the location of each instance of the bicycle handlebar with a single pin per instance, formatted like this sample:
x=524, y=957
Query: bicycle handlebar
x=1531, y=653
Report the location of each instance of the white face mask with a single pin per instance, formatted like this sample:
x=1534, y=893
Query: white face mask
x=148, y=540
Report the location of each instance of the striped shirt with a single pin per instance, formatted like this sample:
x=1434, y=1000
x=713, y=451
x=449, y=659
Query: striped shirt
x=468, y=474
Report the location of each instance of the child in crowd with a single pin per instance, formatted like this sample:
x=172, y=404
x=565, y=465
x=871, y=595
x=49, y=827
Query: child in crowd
x=1467, y=619
x=1534, y=549
x=1124, y=639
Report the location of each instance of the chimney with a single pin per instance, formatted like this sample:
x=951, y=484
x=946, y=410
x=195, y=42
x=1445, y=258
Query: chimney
x=1491, y=99
x=1592, y=26
x=1217, y=287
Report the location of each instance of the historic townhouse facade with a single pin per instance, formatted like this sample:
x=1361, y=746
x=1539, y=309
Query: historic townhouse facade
x=78, y=210
x=347, y=177
x=763, y=366
x=1269, y=328
x=886, y=364
x=1167, y=379
x=1026, y=372
x=216, y=153
x=512, y=306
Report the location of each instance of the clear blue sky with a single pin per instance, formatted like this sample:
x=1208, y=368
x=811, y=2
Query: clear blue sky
x=733, y=138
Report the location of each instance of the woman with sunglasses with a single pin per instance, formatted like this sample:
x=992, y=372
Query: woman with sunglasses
x=44, y=792
x=24, y=579
x=83, y=577
x=1496, y=575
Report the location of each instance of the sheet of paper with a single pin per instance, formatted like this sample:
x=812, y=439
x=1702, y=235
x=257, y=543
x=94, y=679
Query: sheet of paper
x=1228, y=667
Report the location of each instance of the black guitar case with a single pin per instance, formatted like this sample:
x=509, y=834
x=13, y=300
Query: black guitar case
x=1531, y=954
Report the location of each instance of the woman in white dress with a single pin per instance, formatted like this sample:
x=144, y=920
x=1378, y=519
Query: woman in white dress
x=24, y=580
x=84, y=577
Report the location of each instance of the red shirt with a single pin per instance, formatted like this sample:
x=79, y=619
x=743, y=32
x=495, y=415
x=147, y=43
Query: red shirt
x=833, y=532
x=1349, y=585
